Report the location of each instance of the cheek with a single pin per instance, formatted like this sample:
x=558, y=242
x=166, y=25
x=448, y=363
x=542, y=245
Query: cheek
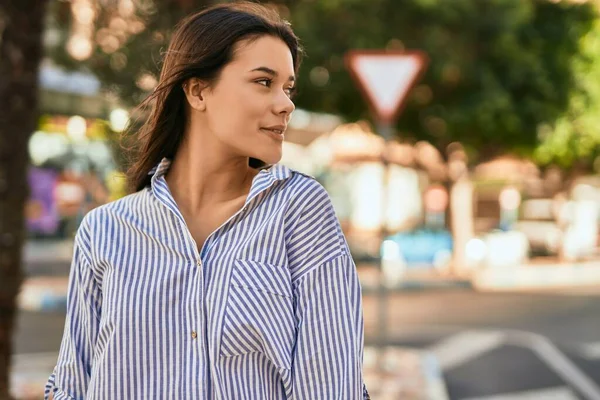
x=243, y=113
x=236, y=125
x=237, y=114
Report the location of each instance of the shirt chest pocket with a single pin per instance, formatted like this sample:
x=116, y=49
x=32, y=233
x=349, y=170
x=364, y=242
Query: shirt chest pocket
x=259, y=314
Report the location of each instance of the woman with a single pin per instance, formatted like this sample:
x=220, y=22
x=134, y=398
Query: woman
x=222, y=276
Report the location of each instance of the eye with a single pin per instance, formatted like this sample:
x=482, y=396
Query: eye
x=291, y=91
x=265, y=82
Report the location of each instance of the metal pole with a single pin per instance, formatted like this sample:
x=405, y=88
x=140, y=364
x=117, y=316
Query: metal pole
x=386, y=131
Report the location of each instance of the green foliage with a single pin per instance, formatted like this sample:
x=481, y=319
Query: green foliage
x=516, y=75
x=499, y=69
x=137, y=55
x=574, y=137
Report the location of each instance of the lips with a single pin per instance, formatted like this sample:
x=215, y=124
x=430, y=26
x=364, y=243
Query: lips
x=277, y=131
x=274, y=133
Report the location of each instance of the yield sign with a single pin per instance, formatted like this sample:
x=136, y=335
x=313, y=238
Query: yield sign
x=385, y=78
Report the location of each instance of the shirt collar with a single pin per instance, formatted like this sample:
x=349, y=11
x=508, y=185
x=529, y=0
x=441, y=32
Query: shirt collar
x=277, y=171
x=160, y=169
x=264, y=179
x=261, y=182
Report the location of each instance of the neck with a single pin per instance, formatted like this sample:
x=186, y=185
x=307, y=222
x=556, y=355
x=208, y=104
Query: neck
x=204, y=179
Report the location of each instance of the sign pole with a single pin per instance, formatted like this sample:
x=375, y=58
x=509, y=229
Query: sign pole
x=385, y=129
x=385, y=78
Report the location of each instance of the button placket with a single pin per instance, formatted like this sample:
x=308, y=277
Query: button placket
x=199, y=331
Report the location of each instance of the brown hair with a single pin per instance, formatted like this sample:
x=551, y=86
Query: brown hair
x=200, y=47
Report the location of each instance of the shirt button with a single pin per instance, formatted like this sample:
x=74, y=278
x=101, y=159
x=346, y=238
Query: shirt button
x=199, y=263
x=194, y=335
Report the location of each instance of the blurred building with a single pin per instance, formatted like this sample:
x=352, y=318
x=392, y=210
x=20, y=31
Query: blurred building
x=73, y=168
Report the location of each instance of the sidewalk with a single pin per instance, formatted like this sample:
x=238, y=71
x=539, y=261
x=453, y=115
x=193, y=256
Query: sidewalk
x=47, y=257
x=47, y=291
x=405, y=374
x=44, y=293
x=547, y=275
x=46, y=264
x=30, y=373
x=539, y=277
x=413, y=280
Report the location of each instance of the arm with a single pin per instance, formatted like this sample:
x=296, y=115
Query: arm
x=328, y=355
x=329, y=349
x=71, y=376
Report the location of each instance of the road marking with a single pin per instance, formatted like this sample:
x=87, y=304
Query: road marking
x=465, y=346
x=559, y=393
x=556, y=360
x=591, y=351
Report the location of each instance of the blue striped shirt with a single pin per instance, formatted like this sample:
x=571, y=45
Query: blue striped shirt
x=270, y=308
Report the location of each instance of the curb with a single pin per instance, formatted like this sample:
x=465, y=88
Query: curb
x=418, y=285
x=369, y=275
x=40, y=251
x=539, y=277
x=436, y=386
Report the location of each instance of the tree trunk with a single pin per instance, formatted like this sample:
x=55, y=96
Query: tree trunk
x=21, y=27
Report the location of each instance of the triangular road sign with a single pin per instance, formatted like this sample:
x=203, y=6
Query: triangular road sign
x=385, y=78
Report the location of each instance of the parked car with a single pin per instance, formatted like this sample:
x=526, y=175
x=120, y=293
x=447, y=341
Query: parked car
x=419, y=249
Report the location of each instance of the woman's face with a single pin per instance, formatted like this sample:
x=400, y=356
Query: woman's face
x=249, y=106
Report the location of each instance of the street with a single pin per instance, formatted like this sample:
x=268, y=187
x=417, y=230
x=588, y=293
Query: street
x=539, y=345
x=545, y=346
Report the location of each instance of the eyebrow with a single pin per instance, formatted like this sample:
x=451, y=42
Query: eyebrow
x=272, y=72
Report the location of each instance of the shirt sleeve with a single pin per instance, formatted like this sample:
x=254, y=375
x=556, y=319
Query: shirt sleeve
x=71, y=375
x=328, y=356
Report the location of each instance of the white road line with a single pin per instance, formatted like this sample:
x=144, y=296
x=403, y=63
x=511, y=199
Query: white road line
x=591, y=351
x=465, y=346
x=556, y=360
x=435, y=385
x=559, y=393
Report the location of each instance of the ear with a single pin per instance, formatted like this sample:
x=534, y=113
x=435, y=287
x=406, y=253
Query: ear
x=195, y=91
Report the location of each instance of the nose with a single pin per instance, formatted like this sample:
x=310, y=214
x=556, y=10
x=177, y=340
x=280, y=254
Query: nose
x=283, y=104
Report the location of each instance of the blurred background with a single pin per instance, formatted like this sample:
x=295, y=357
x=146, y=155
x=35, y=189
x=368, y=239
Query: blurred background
x=473, y=219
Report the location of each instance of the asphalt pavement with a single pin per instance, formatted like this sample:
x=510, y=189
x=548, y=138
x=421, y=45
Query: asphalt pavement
x=501, y=346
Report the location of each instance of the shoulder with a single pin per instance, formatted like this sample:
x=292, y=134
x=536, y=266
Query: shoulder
x=100, y=218
x=300, y=174
x=101, y=225
x=310, y=204
x=313, y=232
x=308, y=193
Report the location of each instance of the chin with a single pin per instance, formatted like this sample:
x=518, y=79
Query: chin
x=270, y=159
